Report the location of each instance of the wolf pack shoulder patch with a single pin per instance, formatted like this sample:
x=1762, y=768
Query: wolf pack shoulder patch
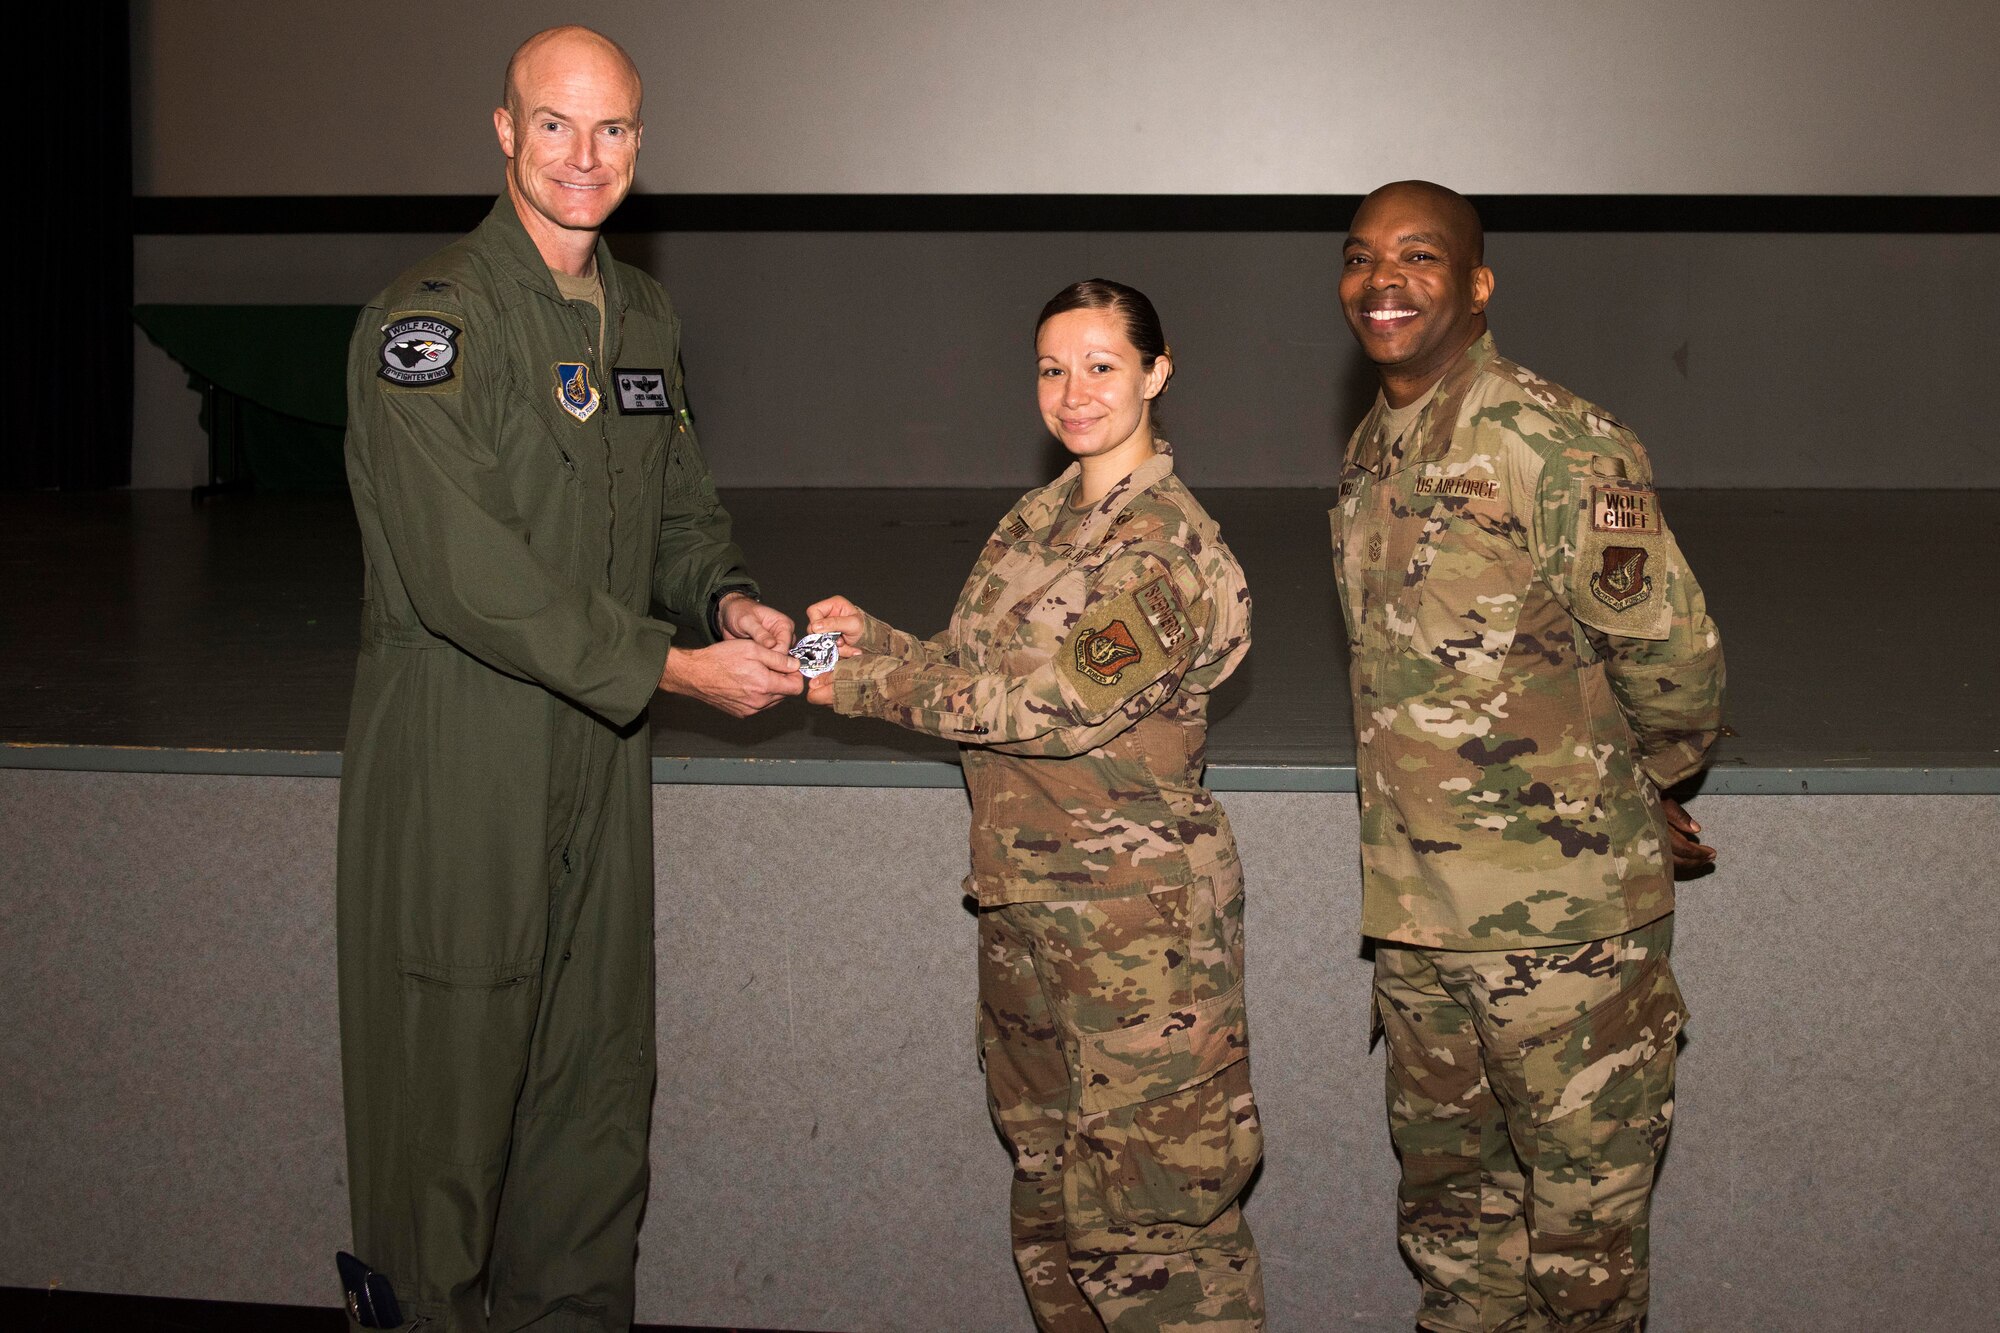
x=419, y=350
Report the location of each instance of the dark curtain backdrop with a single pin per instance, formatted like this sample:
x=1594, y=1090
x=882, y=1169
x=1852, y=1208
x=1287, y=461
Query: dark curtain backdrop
x=69, y=417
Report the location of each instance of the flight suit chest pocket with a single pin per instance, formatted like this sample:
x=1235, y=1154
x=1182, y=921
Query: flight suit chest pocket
x=1469, y=578
x=653, y=444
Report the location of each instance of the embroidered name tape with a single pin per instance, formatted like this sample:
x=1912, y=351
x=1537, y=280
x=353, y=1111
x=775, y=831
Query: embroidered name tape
x=575, y=394
x=641, y=392
x=1160, y=603
x=419, y=349
x=1484, y=489
x=1619, y=509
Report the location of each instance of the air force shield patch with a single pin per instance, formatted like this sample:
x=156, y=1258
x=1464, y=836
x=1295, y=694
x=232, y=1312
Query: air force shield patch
x=575, y=394
x=1623, y=582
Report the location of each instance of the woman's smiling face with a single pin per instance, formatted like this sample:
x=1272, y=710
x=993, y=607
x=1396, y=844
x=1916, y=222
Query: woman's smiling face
x=1094, y=390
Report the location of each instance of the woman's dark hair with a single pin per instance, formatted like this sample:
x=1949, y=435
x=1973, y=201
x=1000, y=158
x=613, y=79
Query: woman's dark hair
x=1142, y=322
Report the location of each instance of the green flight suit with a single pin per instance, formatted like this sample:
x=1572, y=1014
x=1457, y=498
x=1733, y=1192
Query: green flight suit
x=523, y=497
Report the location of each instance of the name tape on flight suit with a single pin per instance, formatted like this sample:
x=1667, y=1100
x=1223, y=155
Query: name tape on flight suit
x=641, y=392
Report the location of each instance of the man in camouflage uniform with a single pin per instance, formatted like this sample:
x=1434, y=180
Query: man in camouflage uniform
x=1076, y=673
x=528, y=487
x=1533, y=665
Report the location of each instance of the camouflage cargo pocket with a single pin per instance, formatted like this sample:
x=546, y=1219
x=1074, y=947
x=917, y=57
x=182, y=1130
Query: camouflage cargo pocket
x=1466, y=606
x=1168, y=1128
x=1598, y=1097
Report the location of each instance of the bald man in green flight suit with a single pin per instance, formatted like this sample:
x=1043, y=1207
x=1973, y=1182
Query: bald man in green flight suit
x=544, y=550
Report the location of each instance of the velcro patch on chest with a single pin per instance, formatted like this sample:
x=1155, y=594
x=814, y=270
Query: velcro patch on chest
x=641, y=392
x=575, y=394
x=1017, y=527
x=1629, y=509
x=1482, y=488
x=419, y=351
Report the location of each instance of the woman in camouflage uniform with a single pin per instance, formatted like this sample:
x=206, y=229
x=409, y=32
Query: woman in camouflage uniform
x=1075, y=674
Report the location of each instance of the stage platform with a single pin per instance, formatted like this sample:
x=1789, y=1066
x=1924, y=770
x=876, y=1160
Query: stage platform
x=145, y=634
x=821, y=1149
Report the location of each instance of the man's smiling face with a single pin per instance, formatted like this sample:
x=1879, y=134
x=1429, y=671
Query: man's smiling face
x=571, y=133
x=1412, y=284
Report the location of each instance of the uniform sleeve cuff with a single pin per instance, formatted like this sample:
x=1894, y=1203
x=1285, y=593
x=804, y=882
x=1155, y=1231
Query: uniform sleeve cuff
x=639, y=680
x=744, y=586
x=857, y=689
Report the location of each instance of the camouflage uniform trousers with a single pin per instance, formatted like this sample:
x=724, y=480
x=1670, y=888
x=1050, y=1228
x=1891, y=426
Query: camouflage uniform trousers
x=1530, y=1094
x=1117, y=1072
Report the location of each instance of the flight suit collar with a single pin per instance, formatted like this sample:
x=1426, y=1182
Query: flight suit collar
x=502, y=236
x=1429, y=437
x=1038, y=512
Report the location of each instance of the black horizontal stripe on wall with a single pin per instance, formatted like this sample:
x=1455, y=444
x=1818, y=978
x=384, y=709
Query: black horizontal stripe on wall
x=217, y=215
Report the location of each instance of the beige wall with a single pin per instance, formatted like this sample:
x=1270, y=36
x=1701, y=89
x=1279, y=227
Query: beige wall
x=1169, y=96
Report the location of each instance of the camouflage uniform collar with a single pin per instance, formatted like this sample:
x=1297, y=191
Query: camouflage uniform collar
x=1038, y=510
x=1428, y=438
x=502, y=236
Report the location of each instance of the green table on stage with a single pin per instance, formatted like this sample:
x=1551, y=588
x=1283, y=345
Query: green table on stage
x=272, y=380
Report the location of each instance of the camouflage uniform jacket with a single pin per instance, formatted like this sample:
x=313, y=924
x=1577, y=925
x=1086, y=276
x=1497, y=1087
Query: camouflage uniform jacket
x=1531, y=660
x=1075, y=673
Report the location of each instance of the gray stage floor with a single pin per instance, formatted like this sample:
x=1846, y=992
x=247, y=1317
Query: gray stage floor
x=1860, y=630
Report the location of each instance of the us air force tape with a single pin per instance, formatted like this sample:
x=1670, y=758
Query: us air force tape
x=419, y=350
x=1126, y=644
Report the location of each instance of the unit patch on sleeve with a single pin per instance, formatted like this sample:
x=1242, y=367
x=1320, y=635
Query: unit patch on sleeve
x=1103, y=654
x=1623, y=582
x=575, y=394
x=418, y=350
x=641, y=392
x=1624, y=509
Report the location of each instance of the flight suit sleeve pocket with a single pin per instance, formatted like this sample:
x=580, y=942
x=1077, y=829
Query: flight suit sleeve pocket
x=1598, y=1092
x=465, y=1052
x=1168, y=1129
